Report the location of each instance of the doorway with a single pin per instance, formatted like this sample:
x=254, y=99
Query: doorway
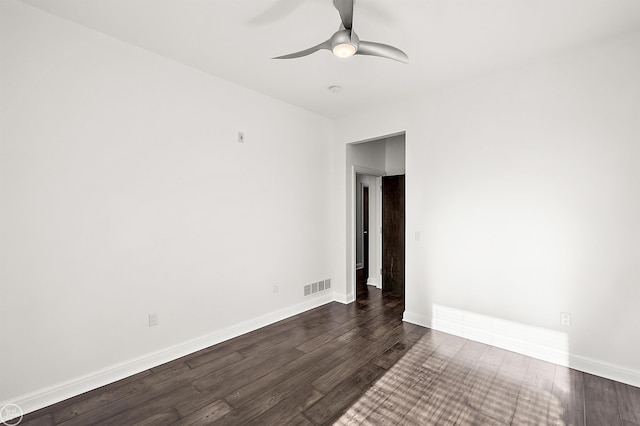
x=368, y=261
x=368, y=164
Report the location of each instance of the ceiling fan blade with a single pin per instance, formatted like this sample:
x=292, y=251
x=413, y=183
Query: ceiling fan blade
x=324, y=45
x=345, y=9
x=382, y=50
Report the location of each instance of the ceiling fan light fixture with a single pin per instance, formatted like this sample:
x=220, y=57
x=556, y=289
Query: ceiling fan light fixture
x=345, y=43
x=344, y=50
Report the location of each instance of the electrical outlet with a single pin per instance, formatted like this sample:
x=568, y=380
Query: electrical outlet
x=565, y=319
x=153, y=320
x=275, y=288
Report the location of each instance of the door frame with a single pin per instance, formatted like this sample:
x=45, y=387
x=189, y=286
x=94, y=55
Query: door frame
x=355, y=170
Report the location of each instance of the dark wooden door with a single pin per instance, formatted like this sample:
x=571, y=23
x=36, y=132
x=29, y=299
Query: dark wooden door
x=393, y=234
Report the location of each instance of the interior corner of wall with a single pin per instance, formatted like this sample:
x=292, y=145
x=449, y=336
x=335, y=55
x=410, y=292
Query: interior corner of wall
x=417, y=319
x=344, y=298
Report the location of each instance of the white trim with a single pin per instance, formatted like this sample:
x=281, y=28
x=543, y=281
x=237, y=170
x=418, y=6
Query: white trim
x=53, y=394
x=345, y=299
x=377, y=138
x=351, y=277
x=603, y=369
x=469, y=330
x=378, y=234
x=374, y=282
x=416, y=319
x=362, y=170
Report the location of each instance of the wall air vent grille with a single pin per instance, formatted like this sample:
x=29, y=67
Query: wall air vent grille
x=318, y=287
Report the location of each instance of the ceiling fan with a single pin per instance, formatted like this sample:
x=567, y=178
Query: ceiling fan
x=345, y=42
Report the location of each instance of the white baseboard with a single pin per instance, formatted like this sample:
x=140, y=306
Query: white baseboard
x=604, y=369
x=345, y=299
x=416, y=319
x=374, y=282
x=526, y=340
x=53, y=394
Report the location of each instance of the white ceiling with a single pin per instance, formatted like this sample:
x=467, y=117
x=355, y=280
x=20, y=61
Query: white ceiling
x=447, y=41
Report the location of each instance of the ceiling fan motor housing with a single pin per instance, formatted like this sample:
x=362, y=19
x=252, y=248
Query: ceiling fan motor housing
x=344, y=43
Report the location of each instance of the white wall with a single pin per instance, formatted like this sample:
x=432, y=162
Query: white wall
x=371, y=155
x=124, y=192
x=525, y=188
x=395, y=155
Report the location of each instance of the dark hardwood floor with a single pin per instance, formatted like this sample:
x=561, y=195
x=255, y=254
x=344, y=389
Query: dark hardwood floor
x=352, y=364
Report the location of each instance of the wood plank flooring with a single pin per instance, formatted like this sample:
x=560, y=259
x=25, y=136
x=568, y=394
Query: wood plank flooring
x=352, y=364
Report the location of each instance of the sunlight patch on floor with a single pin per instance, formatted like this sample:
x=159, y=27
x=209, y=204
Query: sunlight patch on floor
x=440, y=380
